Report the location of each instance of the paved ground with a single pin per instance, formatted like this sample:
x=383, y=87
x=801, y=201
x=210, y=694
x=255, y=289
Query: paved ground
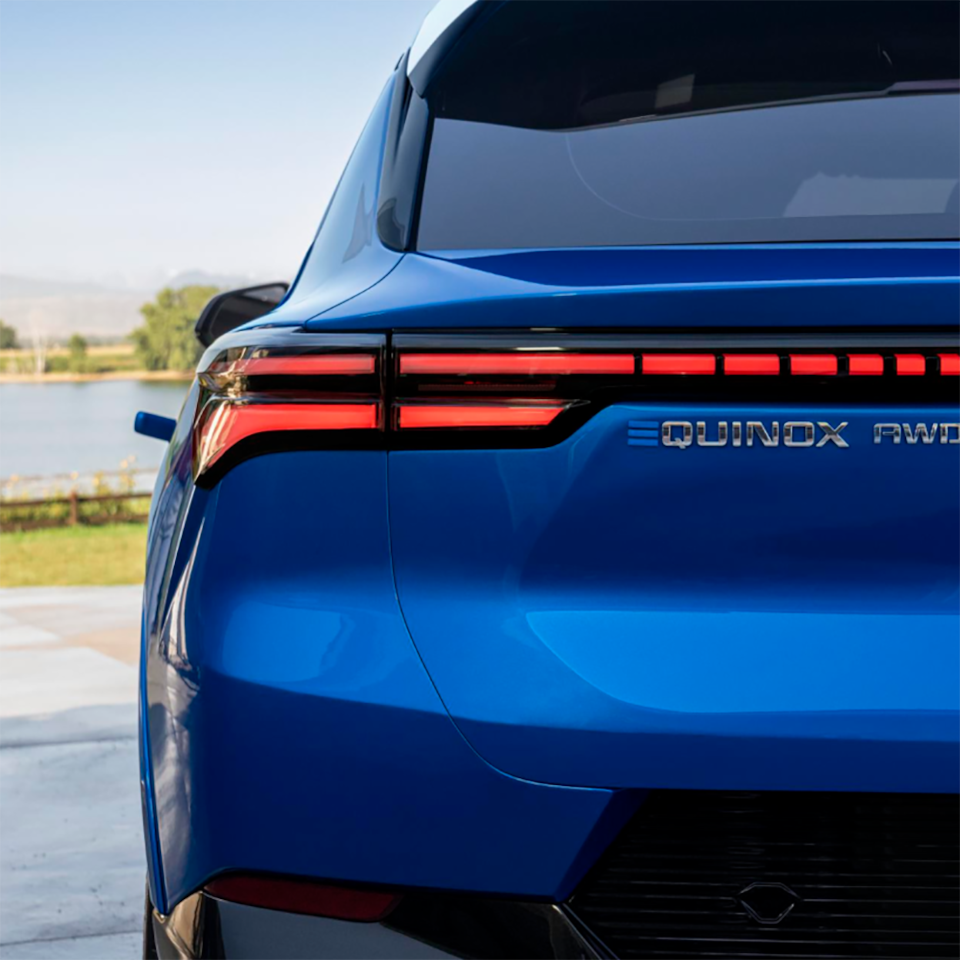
x=71, y=853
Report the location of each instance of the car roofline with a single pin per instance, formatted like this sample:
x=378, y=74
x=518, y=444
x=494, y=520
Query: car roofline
x=440, y=29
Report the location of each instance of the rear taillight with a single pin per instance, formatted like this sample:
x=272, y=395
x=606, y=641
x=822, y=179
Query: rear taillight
x=274, y=389
x=304, y=387
x=497, y=390
x=446, y=416
x=295, y=895
x=521, y=363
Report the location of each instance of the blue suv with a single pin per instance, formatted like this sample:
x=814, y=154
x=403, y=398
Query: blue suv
x=566, y=565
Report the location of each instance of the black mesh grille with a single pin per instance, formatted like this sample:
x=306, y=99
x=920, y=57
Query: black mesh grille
x=780, y=875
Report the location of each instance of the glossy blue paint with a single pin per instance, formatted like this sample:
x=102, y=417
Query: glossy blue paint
x=746, y=618
x=292, y=726
x=462, y=669
x=346, y=256
x=756, y=285
x=153, y=425
x=711, y=263
x=148, y=810
x=173, y=493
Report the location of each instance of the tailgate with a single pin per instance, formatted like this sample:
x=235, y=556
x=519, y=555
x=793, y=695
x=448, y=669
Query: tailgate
x=706, y=583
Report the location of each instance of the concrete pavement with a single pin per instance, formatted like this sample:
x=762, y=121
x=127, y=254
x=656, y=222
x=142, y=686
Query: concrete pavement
x=71, y=855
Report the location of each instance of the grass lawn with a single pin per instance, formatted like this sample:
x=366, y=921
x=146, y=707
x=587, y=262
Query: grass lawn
x=73, y=556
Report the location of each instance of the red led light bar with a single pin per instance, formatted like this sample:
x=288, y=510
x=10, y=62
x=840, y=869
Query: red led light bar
x=343, y=364
x=448, y=392
x=813, y=364
x=303, y=896
x=911, y=365
x=244, y=419
x=427, y=415
x=751, y=364
x=679, y=363
x=949, y=364
x=516, y=364
x=866, y=365
x=226, y=424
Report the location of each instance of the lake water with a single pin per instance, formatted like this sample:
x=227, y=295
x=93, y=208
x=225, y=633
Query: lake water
x=50, y=429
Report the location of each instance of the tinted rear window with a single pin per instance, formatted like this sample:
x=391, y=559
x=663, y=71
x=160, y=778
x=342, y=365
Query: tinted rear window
x=649, y=123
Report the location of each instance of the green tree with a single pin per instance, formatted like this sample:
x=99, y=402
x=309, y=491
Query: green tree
x=77, y=346
x=8, y=337
x=166, y=340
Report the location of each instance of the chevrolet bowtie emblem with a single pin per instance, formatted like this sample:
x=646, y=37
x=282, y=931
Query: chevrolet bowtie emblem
x=768, y=903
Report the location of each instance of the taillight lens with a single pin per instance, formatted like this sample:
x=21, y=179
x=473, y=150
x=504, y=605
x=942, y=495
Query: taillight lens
x=814, y=364
x=293, y=895
x=495, y=390
x=454, y=416
x=522, y=363
x=258, y=385
x=272, y=389
x=679, y=364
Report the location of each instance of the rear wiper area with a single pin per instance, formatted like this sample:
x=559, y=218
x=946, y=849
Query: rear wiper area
x=907, y=87
x=903, y=88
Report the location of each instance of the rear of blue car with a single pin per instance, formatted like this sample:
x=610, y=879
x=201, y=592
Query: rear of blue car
x=568, y=567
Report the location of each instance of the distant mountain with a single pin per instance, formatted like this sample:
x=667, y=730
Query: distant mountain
x=224, y=281
x=18, y=288
x=58, y=308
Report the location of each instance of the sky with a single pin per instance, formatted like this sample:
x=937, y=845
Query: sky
x=143, y=138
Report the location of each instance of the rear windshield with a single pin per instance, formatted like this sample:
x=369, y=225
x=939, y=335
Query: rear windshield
x=648, y=123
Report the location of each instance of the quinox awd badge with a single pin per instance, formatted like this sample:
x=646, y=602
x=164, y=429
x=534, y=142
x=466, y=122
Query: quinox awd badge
x=813, y=434
x=736, y=433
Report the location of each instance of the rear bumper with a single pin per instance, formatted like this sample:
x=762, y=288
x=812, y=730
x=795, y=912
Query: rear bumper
x=291, y=727
x=425, y=926
x=694, y=873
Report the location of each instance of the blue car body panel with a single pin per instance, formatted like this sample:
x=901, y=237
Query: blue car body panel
x=808, y=648
x=348, y=257
x=289, y=713
x=791, y=649
x=603, y=613
x=462, y=669
x=769, y=286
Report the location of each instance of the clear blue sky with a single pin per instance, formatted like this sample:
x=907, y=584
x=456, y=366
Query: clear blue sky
x=142, y=138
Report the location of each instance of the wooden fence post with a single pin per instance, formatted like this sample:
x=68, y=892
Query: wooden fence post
x=72, y=502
